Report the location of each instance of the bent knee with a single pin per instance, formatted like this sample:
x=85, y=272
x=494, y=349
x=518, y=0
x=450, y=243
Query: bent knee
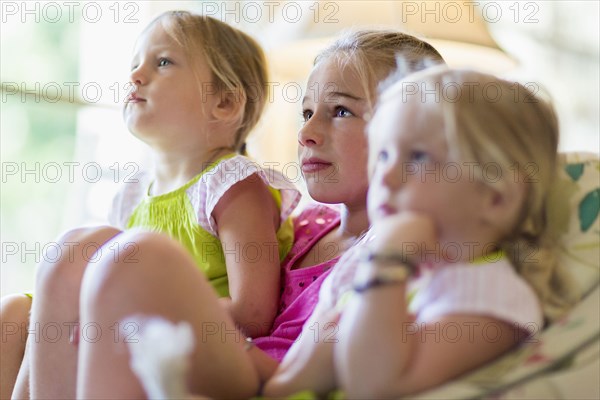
x=143, y=249
x=15, y=308
x=136, y=248
x=62, y=266
x=89, y=234
x=81, y=244
x=132, y=257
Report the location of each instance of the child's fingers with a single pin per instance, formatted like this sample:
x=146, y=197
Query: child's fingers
x=397, y=231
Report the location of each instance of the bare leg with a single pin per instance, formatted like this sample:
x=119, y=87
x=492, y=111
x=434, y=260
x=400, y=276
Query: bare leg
x=14, y=316
x=21, y=390
x=55, y=311
x=154, y=275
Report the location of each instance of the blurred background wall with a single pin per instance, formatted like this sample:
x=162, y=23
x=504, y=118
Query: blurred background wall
x=64, y=69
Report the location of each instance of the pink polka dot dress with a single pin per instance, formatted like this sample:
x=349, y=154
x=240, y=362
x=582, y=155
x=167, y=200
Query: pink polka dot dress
x=300, y=287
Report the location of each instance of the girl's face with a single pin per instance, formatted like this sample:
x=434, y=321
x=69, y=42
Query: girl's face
x=169, y=101
x=412, y=171
x=332, y=146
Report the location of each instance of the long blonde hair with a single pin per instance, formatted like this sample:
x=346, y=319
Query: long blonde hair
x=237, y=62
x=488, y=120
x=375, y=54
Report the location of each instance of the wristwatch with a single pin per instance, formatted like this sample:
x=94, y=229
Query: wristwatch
x=390, y=268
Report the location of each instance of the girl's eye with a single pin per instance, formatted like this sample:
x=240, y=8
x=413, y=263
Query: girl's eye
x=342, y=112
x=306, y=115
x=133, y=67
x=418, y=156
x=163, y=62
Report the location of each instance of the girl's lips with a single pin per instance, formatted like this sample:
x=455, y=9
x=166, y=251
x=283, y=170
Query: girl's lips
x=133, y=98
x=313, y=165
x=386, y=210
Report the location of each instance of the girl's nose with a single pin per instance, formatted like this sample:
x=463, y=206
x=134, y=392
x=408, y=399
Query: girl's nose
x=393, y=175
x=309, y=135
x=137, y=76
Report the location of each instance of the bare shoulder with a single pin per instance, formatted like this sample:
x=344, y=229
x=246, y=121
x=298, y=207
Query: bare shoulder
x=249, y=199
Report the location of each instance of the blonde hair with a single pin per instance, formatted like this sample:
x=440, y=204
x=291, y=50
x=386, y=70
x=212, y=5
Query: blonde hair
x=375, y=54
x=492, y=121
x=236, y=60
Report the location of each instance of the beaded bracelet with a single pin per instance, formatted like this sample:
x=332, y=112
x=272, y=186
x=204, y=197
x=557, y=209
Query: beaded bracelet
x=383, y=277
x=389, y=259
x=395, y=268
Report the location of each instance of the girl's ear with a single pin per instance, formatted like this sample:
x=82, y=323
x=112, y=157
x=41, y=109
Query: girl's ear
x=230, y=106
x=502, y=205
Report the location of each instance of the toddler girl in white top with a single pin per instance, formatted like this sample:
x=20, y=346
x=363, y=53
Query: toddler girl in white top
x=463, y=176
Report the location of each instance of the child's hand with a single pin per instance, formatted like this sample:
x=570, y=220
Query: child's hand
x=408, y=232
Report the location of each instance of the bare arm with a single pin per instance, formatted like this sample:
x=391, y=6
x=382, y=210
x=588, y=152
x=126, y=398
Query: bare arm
x=248, y=218
x=383, y=353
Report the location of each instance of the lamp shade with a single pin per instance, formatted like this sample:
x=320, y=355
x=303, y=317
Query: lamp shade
x=457, y=29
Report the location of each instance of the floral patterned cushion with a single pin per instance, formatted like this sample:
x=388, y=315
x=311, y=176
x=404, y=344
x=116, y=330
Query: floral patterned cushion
x=581, y=241
x=554, y=357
